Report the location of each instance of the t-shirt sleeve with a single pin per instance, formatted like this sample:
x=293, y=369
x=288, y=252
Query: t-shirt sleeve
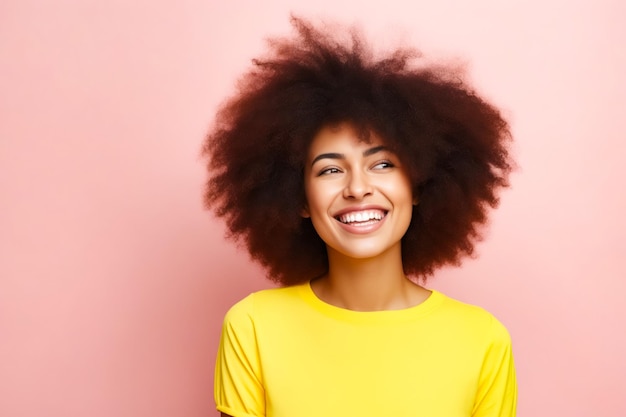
x=497, y=388
x=238, y=386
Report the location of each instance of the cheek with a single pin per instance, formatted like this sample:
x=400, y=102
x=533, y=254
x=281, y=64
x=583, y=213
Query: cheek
x=318, y=196
x=312, y=204
x=403, y=189
x=316, y=202
x=400, y=189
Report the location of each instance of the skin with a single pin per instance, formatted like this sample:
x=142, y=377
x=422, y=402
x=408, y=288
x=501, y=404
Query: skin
x=345, y=176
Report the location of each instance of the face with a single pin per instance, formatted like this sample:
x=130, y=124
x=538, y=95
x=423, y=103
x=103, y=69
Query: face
x=358, y=194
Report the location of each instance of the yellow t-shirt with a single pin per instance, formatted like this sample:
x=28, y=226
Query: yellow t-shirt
x=286, y=353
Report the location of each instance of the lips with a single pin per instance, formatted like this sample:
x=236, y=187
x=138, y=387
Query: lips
x=361, y=217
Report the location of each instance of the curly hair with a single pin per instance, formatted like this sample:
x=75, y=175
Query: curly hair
x=454, y=143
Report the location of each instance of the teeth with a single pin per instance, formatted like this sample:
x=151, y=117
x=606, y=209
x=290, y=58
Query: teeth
x=361, y=216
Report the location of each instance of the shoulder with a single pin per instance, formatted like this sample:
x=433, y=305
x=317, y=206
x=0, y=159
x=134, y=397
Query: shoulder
x=260, y=303
x=474, y=318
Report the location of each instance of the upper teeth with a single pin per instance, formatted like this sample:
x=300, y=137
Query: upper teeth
x=361, y=216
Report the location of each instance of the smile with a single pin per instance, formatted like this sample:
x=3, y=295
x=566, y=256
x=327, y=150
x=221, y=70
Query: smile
x=364, y=218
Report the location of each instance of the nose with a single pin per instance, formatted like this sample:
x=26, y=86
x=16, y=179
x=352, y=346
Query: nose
x=357, y=186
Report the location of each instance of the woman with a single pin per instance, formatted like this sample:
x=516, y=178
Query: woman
x=351, y=179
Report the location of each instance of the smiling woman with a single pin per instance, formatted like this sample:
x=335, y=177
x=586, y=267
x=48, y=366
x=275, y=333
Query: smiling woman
x=351, y=179
x=358, y=195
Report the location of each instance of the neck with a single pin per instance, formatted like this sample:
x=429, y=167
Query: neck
x=371, y=284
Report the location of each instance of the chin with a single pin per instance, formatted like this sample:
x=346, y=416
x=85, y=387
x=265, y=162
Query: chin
x=365, y=252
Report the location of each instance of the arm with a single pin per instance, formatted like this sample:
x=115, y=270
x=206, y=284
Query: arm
x=238, y=385
x=497, y=390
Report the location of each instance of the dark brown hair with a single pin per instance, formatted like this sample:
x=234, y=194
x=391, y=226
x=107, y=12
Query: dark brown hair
x=454, y=143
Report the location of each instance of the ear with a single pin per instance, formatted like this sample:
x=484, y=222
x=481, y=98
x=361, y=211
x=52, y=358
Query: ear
x=304, y=211
x=416, y=200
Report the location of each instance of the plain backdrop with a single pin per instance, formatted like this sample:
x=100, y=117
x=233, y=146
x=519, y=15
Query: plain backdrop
x=114, y=280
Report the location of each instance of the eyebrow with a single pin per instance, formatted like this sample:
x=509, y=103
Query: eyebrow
x=366, y=152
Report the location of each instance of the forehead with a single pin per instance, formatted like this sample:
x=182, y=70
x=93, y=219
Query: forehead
x=342, y=138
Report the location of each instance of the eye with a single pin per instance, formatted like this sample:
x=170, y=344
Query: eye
x=383, y=165
x=328, y=171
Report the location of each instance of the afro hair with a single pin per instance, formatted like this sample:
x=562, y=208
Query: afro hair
x=454, y=143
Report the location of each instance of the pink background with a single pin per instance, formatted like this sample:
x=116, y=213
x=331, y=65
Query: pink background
x=113, y=278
